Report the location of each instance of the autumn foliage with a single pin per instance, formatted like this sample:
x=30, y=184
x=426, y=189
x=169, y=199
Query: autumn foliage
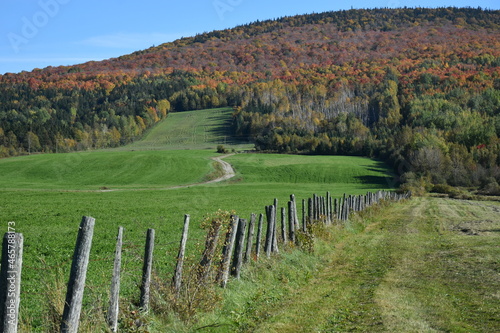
x=417, y=87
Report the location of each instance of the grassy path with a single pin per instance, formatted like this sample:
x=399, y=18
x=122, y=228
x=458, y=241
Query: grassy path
x=200, y=129
x=415, y=267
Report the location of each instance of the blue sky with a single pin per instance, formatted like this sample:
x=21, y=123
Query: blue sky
x=41, y=33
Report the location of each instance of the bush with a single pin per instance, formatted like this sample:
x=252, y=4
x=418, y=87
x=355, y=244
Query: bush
x=490, y=187
x=221, y=149
x=417, y=185
x=446, y=189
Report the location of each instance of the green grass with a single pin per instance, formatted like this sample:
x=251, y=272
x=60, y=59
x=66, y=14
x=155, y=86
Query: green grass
x=299, y=169
x=49, y=219
x=407, y=267
x=201, y=129
x=46, y=196
x=404, y=268
x=110, y=169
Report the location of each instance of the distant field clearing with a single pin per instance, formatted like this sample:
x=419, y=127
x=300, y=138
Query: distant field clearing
x=200, y=129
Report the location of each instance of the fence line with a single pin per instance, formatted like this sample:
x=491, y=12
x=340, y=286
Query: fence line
x=238, y=248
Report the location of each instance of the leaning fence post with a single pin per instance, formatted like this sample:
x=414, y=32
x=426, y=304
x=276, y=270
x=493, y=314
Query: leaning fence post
x=112, y=316
x=238, y=250
x=10, y=281
x=205, y=266
x=227, y=251
x=177, y=280
x=76, y=284
x=146, y=270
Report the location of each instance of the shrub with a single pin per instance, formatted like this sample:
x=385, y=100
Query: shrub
x=490, y=187
x=446, y=189
x=221, y=149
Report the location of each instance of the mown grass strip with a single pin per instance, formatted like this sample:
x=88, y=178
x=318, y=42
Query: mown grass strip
x=402, y=268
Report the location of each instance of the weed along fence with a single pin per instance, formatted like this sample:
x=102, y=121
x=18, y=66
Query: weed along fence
x=230, y=242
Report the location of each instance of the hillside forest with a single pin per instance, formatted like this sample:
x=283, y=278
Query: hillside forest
x=418, y=88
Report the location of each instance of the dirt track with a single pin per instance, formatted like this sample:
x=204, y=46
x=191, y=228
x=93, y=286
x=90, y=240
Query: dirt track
x=228, y=170
x=226, y=167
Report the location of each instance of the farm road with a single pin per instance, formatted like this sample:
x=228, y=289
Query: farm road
x=228, y=173
x=226, y=167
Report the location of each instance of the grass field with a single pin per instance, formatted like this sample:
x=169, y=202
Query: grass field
x=46, y=196
x=425, y=265
x=201, y=129
x=104, y=169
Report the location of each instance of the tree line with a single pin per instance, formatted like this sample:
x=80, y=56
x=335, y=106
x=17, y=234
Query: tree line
x=416, y=87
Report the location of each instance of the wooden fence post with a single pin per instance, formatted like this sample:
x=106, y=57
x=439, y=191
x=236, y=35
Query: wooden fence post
x=78, y=274
x=322, y=208
x=209, y=252
x=315, y=205
x=291, y=222
x=259, y=236
x=283, y=225
x=274, y=247
x=10, y=281
x=112, y=316
x=304, y=219
x=177, y=280
x=339, y=209
x=238, y=249
x=328, y=208
x=343, y=207
x=310, y=205
x=293, y=211
x=251, y=229
x=270, y=232
x=146, y=270
x=227, y=251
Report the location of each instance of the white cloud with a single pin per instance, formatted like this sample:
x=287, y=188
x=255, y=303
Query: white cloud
x=130, y=41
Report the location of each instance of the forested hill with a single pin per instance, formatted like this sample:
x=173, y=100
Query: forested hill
x=417, y=87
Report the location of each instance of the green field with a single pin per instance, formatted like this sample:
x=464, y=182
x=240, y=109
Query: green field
x=201, y=129
x=135, y=187
x=426, y=265
x=104, y=169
